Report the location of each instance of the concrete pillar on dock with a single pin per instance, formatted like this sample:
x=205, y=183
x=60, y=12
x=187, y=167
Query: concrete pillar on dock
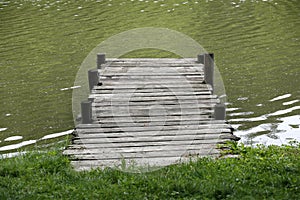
x=86, y=112
x=100, y=60
x=93, y=78
x=220, y=112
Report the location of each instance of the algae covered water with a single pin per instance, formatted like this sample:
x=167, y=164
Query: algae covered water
x=256, y=45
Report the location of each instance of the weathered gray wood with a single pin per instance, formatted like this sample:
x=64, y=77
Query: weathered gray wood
x=152, y=90
x=151, y=135
x=205, y=144
x=162, y=102
x=121, y=70
x=147, y=120
x=152, y=60
x=93, y=78
x=86, y=112
x=153, y=118
x=113, y=123
x=94, y=138
x=139, y=94
x=133, y=155
x=150, y=64
x=200, y=59
x=150, y=112
x=100, y=59
x=209, y=69
x=183, y=129
x=196, y=125
x=220, y=112
x=110, y=85
x=122, y=98
x=147, y=113
x=145, y=106
x=157, y=79
x=151, y=73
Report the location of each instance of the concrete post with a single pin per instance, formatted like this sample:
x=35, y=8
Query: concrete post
x=100, y=60
x=220, y=112
x=86, y=112
x=93, y=78
x=209, y=69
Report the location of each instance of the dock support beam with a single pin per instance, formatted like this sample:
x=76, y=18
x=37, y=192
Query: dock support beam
x=93, y=78
x=220, y=112
x=86, y=112
x=100, y=60
x=209, y=69
x=207, y=60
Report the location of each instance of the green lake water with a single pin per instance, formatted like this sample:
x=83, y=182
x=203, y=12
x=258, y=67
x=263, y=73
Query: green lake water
x=43, y=43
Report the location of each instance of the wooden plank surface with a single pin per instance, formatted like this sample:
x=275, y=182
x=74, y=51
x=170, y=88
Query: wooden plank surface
x=152, y=112
x=115, y=123
x=209, y=143
x=173, y=85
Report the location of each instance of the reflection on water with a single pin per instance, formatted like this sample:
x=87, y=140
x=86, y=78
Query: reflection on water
x=282, y=131
x=256, y=44
x=29, y=142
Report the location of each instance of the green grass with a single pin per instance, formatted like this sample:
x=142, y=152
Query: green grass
x=259, y=173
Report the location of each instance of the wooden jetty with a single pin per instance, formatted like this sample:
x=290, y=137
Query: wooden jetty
x=149, y=113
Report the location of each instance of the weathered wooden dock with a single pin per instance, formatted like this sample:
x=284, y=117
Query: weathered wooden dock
x=149, y=112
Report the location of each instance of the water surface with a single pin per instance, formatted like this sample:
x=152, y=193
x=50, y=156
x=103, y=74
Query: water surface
x=256, y=45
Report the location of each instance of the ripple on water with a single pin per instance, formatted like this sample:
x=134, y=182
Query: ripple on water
x=281, y=97
x=290, y=102
x=29, y=142
x=17, y=146
x=13, y=138
x=3, y=129
x=278, y=133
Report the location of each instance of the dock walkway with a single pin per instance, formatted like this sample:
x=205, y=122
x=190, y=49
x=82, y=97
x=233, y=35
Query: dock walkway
x=149, y=112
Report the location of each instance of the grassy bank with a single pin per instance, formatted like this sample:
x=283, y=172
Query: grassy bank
x=260, y=173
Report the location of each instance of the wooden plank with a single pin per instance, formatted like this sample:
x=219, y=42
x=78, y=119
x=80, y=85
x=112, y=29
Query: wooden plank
x=185, y=143
x=151, y=103
x=89, y=143
x=152, y=109
x=150, y=90
x=165, y=83
x=110, y=85
x=154, y=70
x=152, y=114
x=152, y=118
x=149, y=64
x=155, y=74
x=156, y=60
x=91, y=137
x=154, y=94
x=161, y=155
x=154, y=148
x=223, y=133
x=152, y=80
x=110, y=124
x=133, y=107
x=118, y=97
x=177, y=126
